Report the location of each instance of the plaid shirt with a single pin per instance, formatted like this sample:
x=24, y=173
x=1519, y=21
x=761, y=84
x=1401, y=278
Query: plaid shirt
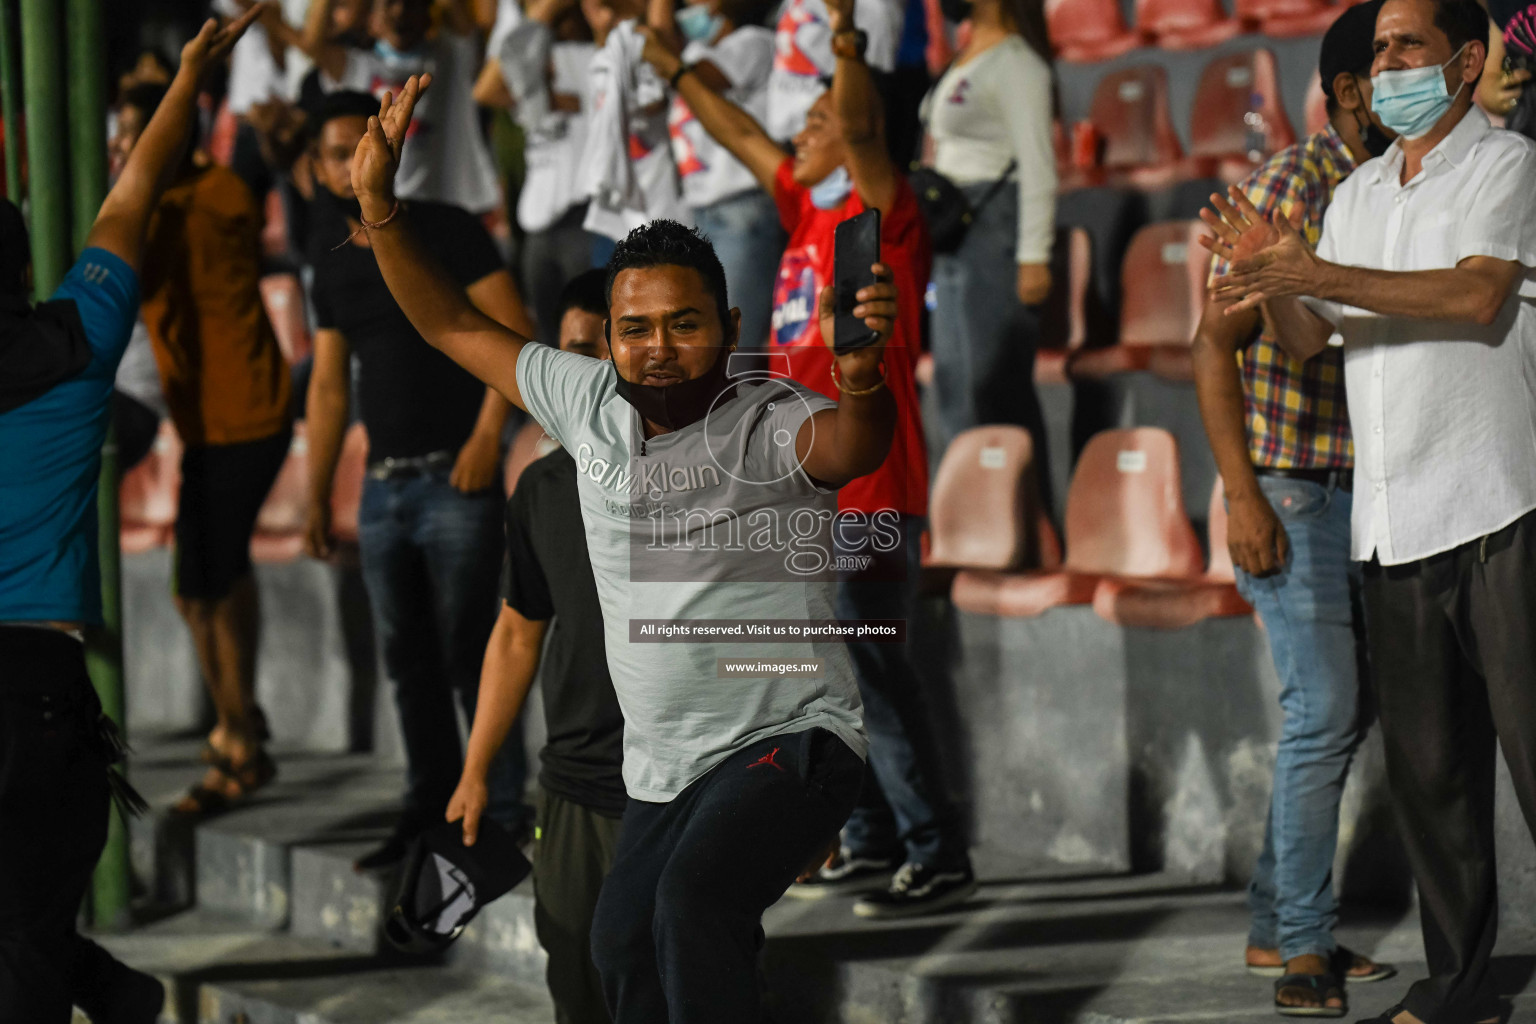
x=1296, y=413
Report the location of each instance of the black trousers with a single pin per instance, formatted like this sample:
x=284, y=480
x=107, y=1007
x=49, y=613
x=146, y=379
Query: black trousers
x=53, y=823
x=1453, y=659
x=679, y=923
x=574, y=851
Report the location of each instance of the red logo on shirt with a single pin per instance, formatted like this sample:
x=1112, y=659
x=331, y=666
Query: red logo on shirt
x=958, y=96
x=788, y=56
x=794, y=297
x=768, y=760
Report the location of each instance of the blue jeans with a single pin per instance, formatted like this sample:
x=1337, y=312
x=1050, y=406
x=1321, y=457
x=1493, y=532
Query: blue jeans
x=983, y=338
x=745, y=232
x=1308, y=613
x=431, y=563
x=903, y=801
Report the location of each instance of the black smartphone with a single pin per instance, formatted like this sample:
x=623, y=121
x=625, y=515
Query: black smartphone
x=856, y=248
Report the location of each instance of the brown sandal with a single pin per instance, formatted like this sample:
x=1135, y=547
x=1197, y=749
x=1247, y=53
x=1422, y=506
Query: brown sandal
x=260, y=731
x=205, y=801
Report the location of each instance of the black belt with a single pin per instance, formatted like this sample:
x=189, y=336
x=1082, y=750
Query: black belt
x=1343, y=479
x=391, y=468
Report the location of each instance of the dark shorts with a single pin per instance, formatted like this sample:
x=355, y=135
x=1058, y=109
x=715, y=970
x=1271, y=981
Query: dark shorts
x=222, y=490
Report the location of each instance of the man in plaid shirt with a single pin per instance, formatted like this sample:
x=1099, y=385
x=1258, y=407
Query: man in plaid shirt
x=1280, y=433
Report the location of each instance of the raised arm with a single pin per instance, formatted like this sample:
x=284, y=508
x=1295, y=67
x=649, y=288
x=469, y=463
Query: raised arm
x=435, y=304
x=124, y=216
x=838, y=445
x=859, y=113
x=315, y=40
x=727, y=124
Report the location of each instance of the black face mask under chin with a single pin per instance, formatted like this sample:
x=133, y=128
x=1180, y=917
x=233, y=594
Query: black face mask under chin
x=1375, y=141
x=955, y=10
x=676, y=405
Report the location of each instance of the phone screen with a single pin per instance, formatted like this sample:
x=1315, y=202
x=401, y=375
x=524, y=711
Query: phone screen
x=856, y=248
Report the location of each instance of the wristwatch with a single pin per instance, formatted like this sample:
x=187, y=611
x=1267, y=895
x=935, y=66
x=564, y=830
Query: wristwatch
x=677, y=76
x=850, y=45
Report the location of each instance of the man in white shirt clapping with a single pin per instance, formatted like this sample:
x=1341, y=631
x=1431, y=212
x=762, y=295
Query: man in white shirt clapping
x=1424, y=268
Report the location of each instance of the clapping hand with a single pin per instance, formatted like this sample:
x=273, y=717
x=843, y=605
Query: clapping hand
x=1267, y=257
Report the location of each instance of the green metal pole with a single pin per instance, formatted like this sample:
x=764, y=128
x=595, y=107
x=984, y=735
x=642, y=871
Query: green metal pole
x=104, y=655
x=42, y=64
x=10, y=99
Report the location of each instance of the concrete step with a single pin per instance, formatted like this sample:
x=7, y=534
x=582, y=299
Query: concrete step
x=402, y=995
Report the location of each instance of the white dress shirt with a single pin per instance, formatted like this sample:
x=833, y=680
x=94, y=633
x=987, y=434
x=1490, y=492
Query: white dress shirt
x=1443, y=414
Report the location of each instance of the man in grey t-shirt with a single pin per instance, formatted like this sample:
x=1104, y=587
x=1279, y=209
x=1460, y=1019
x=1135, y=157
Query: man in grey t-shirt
x=704, y=498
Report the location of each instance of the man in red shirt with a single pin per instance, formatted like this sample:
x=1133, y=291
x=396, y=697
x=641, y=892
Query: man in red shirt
x=841, y=168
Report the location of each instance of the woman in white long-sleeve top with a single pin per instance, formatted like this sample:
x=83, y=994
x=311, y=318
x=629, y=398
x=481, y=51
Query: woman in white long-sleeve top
x=989, y=119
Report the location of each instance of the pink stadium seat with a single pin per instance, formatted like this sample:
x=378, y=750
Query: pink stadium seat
x=279, y=533
x=1185, y=24
x=1234, y=92
x=283, y=297
x=1125, y=517
x=274, y=232
x=221, y=137
x=984, y=501
x=530, y=445
x=1174, y=604
x=1287, y=19
x=1317, y=105
x=149, y=494
x=347, y=490
x=1064, y=321
x=1162, y=294
x=1130, y=113
x=1083, y=31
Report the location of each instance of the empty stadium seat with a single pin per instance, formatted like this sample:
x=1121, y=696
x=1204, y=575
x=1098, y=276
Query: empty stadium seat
x=1162, y=294
x=1130, y=112
x=1317, y=105
x=1234, y=92
x=347, y=486
x=984, y=501
x=1125, y=517
x=279, y=535
x=1287, y=19
x=283, y=297
x=530, y=445
x=1083, y=31
x=149, y=494
x=1185, y=24
x=1064, y=319
x=1174, y=604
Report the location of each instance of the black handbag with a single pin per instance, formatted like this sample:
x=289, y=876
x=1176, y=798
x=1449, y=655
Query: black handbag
x=948, y=213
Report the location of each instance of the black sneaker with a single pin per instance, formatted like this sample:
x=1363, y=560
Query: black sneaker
x=387, y=855
x=918, y=889
x=848, y=872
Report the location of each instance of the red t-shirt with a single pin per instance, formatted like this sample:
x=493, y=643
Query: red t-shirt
x=901, y=482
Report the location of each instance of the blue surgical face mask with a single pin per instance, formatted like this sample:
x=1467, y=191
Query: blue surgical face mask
x=1411, y=101
x=394, y=56
x=697, y=24
x=830, y=192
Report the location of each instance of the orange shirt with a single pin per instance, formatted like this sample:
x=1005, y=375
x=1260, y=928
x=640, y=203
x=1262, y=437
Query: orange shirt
x=225, y=379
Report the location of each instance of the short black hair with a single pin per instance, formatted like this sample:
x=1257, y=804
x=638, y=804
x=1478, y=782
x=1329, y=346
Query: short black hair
x=587, y=291
x=342, y=103
x=666, y=243
x=146, y=97
x=1348, y=46
x=1463, y=22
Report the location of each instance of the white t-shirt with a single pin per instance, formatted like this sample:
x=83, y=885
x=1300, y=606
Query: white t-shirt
x=446, y=158
x=254, y=76
x=803, y=55
x=709, y=172
x=994, y=108
x=1443, y=414
x=716, y=520
x=626, y=168
x=533, y=64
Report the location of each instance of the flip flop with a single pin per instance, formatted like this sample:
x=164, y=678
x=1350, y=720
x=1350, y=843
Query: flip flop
x=1323, y=986
x=204, y=801
x=1341, y=963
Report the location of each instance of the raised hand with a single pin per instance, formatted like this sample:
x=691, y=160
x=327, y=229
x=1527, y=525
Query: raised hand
x=378, y=154
x=657, y=53
x=213, y=43
x=877, y=307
